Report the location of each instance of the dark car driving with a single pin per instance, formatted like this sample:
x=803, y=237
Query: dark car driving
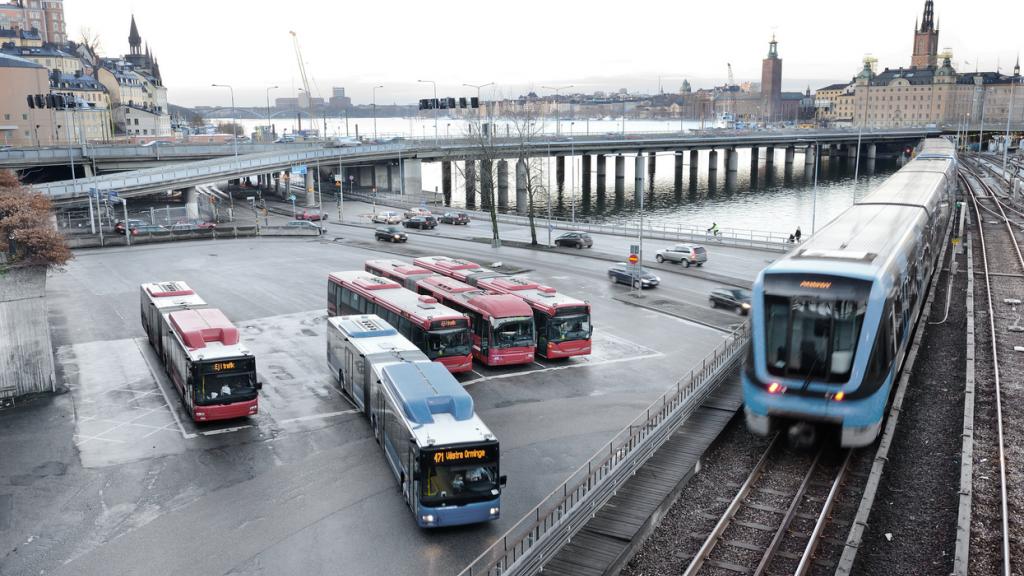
x=421, y=222
x=622, y=273
x=732, y=298
x=390, y=234
x=454, y=218
x=575, y=240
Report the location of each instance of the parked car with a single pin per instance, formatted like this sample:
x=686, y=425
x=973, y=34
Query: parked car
x=454, y=218
x=390, y=234
x=622, y=273
x=421, y=222
x=413, y=212
x=184, y=227
x=132, y=225
x=304, y=225
x=575, y=240
x=313, y=216
x=386, y=218
x=685, y=254
x=732, y=298
x=147, y=229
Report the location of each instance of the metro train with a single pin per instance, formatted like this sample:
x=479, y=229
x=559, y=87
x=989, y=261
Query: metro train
x=831, y=321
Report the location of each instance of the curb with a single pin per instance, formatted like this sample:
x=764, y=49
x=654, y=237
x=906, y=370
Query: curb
x=640, y=304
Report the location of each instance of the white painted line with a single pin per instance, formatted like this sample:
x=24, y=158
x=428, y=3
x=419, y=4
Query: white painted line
x=225, y=430
x=567, y=367
x=168, y=427
x=156, y=382
x=87, y=438
x=317, y=416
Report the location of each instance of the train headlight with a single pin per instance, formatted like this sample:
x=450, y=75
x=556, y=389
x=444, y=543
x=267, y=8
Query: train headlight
x=776, y=388
x=745, y=306
x=427, y=518
x=495, y=510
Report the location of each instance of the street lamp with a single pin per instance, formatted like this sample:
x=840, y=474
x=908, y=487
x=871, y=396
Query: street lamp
x=435, y=108
x=234, y=123
x=558, y=124
x=375, y=111
x=268, y=107
x=478, y=107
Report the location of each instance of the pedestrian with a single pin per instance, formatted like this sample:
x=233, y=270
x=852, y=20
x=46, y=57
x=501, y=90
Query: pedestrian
x=791, y=238
x=797, y=234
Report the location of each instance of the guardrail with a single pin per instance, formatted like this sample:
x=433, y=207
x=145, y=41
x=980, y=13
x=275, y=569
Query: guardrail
x=535, y=539
x=737, y=237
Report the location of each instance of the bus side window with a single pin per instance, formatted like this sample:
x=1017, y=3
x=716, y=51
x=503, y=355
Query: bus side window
x=416, y=336
x=405, y=327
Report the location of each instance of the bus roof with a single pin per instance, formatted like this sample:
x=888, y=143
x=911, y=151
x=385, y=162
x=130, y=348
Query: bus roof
x=364, y=326
x=175, y=294
x=535, y=294
x=493, y=305
x=370, y=334
x=206, y=333
x=389, y=291
x=428, y=388
x=398, y=268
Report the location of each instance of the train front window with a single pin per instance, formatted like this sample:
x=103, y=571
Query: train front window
x=811, y=338
x=443, y=343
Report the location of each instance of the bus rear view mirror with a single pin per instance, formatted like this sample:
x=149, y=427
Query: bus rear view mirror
x=259, y=385
x=502, y=480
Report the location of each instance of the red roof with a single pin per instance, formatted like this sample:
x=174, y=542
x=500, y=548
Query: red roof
x=199, y=327
x=168, y=289
x=447, y=285
x=445, y=264
x=536, y=295
x=376, y=283
x=461, y=295
x=510, y=283
x=397, y=267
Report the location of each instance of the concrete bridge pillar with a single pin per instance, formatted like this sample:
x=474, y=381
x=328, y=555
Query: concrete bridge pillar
x=755, y=154
x=620, y=175
x=638, y=177
x=713, y=162
x=446, y=181
x=585, y=173
x=191, y=203
x=769, y=155
x=380, y=177
x=560, y=172
x=790, y=154
x=470, y=183
x=522, y=195
x=732, y=160
x=486, y=183
x=601, y=173
x=412, y=177
x=679, y=170
x=502, y=184
x=872, y=151
x=394, y=172
x=809, y=153
x=694, y=164
x=310, y=189
x=851, y=151
x=652, y=158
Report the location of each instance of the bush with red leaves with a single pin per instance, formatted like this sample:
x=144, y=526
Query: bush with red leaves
x=27, y=234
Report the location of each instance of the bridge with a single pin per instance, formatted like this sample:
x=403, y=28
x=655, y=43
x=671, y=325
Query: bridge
x=385, y=165
x=118, y=157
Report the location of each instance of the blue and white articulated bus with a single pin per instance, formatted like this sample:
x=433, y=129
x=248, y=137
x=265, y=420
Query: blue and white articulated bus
x=444, y=457
x=831, y=321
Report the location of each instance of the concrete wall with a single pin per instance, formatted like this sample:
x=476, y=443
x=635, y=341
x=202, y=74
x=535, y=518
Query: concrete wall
x=26, y=354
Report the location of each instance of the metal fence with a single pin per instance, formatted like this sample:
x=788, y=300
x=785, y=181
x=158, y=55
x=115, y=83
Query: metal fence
x=538, y=536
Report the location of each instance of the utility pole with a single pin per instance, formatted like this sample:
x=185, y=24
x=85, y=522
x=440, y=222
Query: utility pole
x=269, y=129
x=374, y=106
x=558, y=122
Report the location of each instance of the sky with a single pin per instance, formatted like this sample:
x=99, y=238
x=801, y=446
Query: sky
x=527, y=44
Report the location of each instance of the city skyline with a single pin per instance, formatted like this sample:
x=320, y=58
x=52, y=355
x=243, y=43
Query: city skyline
x=815, y=52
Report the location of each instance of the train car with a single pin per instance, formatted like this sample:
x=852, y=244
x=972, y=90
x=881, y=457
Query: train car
x=444, y=458
x=831, y=322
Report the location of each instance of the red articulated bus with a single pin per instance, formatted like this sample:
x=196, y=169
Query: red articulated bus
x=563, y=322
x=402, y=272
x=440, y=332
x=215, y=375
x=461, y=270
x=503, y=332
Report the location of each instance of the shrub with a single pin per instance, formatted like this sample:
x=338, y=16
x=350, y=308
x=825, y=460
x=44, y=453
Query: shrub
x=27, y=234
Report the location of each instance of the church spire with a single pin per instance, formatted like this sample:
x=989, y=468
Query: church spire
x=928, y=22
x=1016, y=67
x=134, y=39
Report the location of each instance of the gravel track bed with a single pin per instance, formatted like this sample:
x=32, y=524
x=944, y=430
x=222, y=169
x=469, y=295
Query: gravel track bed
x=912, y=526
x=681, y=532
x=986, y=523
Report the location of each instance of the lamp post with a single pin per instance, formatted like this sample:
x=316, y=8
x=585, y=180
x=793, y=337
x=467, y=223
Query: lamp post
x=1006, y=142
x=435, y=108
x=269, y=88
x=479, y=114
x=234, y=123
x=558, y=123
x=374, y=100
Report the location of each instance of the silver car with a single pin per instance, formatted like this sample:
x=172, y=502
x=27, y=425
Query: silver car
x=685, y=254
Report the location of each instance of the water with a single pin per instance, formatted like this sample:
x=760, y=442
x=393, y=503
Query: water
x=776, y=200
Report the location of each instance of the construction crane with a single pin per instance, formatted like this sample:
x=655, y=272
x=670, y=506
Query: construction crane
x=302, y=71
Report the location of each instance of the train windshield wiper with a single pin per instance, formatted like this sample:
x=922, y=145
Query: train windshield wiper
x=810, y=373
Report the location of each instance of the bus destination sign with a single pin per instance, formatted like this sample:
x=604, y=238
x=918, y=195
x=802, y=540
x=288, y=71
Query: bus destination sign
x=461, y=455
x=221, y=366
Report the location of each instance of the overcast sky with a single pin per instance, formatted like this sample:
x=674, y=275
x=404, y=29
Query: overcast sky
x=596, y=45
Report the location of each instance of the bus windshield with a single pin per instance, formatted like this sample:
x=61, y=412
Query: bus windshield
x=811, y=338
x=512, y=332
x=225, y=381
x=566, y=328
x=442, y=343
x=458, y=482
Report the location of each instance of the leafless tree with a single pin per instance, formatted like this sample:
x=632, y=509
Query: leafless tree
x=91, y=45
x=526, y=128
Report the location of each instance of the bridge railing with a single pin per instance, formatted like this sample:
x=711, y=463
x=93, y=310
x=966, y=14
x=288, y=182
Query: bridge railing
x=541, y=533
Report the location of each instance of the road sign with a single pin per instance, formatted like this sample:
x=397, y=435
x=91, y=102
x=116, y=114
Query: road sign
x=291, y=197
x=633, y=259
x=299, y=170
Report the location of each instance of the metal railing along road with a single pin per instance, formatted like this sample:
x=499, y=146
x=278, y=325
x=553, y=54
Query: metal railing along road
x=106, y=152
x=538, y=536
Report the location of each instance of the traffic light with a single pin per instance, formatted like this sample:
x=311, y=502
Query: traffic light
x=451, y=102
x=474, y=102
x=462, y=102
x=423, y=103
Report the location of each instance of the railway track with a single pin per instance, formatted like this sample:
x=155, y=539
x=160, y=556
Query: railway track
x=776, y=523
x=1003, y=269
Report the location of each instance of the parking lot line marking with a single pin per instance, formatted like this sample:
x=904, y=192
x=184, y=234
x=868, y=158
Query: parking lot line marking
x=553, y=368
x=317, y=416
x=224, y=430
x=87, y=438
x=156, y=382
x=166, y=427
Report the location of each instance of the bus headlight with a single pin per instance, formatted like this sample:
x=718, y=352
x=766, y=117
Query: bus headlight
x=427, y=518
x=776, y=388
x=495, y=510
x=745, y=306
x=200, y=414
